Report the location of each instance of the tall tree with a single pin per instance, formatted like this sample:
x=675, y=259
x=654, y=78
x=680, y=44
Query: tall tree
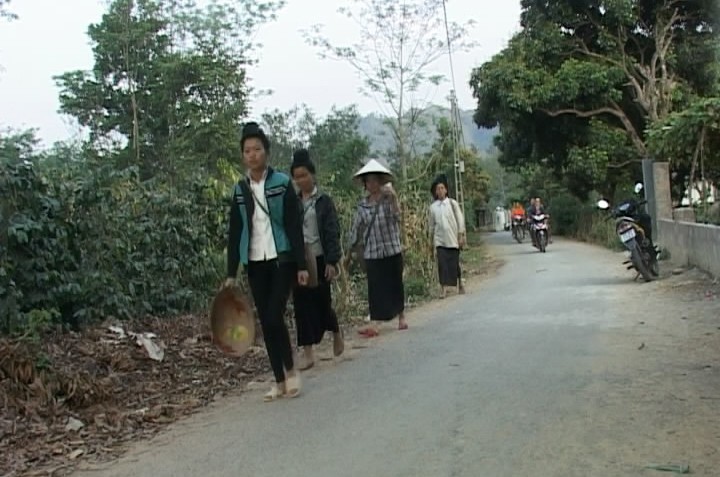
x=399, y=42
x=338, y=149
x=169, y=80
x=578, y=86
x=441, y=160
x=288, y=131
x=4, y=12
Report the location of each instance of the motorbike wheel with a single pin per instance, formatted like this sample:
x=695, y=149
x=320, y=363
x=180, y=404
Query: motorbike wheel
x=516, y=235
x=654, y=266
x=640, y=265
x=542, y=241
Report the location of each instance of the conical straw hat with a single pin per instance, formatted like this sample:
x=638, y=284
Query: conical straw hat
x=232, y=321
x=374, y=167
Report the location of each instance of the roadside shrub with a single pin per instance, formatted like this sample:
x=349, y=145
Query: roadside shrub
x=81, y=243
x=594, y=227
x=566, y=213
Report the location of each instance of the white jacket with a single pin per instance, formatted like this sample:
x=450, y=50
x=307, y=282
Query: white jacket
x=447, y=223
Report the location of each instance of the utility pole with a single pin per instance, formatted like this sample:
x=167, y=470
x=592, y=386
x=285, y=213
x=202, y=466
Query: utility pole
x=458, y=142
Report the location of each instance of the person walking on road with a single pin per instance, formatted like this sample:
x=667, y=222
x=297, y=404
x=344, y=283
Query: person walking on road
x=447, y=229
x=376, y=228
x=314, y=313
x=266, y=236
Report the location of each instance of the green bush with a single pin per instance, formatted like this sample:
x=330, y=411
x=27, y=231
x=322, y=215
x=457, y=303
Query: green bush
x=596, y=228
x=566, y=212
x=573, y=218
x=82, y=243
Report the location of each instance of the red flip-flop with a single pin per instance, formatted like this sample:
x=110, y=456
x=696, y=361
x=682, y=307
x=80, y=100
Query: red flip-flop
x=368, y=333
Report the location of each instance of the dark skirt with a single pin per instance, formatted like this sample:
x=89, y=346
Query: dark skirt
x=314, y=314
x=448, y=263
x=386, y=291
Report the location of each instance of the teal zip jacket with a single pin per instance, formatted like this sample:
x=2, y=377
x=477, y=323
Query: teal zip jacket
x=286, y=221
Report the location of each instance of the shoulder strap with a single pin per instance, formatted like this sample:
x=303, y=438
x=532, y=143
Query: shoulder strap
x=456, y=211
x=262, y=207
x=372, y=222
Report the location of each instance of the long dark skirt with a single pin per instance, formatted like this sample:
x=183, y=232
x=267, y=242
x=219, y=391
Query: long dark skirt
x=386, y=291
x=448, y=263
x=314, y=314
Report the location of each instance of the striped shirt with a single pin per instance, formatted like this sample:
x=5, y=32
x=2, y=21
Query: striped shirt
x=383, y=239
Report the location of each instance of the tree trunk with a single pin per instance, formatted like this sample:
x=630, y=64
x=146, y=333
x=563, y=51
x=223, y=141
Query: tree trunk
x=131, y=87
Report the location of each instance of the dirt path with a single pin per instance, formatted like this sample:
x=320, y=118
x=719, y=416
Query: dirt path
x=559, y=366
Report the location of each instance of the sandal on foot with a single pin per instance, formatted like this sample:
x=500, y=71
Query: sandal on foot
x=306, y=364
x=402, y=326
x=276, y=392
x=293, y=385
x=369, y=333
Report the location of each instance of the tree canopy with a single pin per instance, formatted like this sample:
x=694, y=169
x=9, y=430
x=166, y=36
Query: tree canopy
x=169, y=82
x=399, y=43
x=578, y=87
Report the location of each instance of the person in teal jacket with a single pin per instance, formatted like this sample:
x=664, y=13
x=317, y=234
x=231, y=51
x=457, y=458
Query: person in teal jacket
x=266, y=236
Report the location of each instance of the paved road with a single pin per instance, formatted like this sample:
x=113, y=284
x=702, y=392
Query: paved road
x=509, y=380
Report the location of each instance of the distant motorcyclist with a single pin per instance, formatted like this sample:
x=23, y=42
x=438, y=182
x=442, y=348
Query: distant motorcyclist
x=530, y=206
x=518, y=211
x=537, y=208
x=518, y=221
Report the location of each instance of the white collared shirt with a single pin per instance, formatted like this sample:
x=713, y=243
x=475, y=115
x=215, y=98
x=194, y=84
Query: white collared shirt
x=262, y=241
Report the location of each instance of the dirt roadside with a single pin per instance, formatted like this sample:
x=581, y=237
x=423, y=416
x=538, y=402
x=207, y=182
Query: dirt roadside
x=75, y=398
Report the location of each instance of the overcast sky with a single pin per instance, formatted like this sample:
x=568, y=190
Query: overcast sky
x=50, y=38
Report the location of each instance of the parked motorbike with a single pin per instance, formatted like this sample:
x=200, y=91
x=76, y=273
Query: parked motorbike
x=538, y=227
x=518, y=228
x=634, y=228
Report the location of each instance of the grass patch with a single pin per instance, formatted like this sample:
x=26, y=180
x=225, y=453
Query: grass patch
x=475, y=257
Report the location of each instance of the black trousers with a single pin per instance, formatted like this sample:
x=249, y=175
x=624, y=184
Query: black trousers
x=270, y=282
x=314, y=314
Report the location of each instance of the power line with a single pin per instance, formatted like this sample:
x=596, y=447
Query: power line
x=449, y=46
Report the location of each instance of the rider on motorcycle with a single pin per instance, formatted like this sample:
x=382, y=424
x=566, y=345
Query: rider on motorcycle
x=518, y=211
x=518, y=221
x=537, y=208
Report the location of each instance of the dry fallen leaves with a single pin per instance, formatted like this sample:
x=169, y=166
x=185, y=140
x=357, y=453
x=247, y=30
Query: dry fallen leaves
x=82, y=395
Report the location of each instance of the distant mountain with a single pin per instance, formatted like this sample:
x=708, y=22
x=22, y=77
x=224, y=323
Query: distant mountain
x=380, y=135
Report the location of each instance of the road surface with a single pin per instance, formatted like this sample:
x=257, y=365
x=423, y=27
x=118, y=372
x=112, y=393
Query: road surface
x=559, y=366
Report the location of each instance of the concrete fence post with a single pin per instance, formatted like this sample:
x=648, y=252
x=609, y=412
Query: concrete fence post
x=656, y=182
x=663, y=197
x=649, y=189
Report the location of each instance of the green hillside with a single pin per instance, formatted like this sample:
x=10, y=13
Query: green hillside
x=380, y=135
